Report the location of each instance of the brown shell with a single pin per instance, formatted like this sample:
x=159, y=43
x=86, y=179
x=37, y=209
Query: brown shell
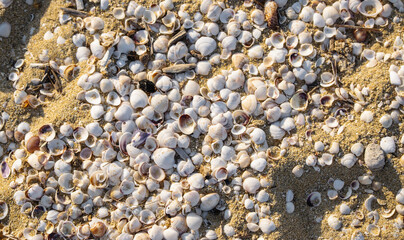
x=271, y=14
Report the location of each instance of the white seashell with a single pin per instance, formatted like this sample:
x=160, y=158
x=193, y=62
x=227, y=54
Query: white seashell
x=258, y=17
x=386, y=121
x=251, y=185
x=214, y=12
x=209, y=201
x=357, y=149
x=194, y=221
x=395, y=78
x=267, y=226
x=306, y=49
x=93, y=97
x=164, y=157
x=348, y=160
x=388, y=145
x=226, y=15
x=306, y=15
x=330, y=14
x=291, y=41
x=334, y=222
x=344, y=209
x=256, y=52
x=276, y=132
x=277, y=40
x=124, y=112
x=249, y=104
x=203, y=68
x=205, y=45
x=297, y=26
x=258, y=164
x=319, y=36
x=318, y=20
x=235, y=80
x=367, y=116
x=82, y=54
x=370, y=8
x=5, y=29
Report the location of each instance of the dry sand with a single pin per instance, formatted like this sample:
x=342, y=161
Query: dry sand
x=302, y=223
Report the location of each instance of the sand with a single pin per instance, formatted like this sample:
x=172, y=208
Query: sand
x=26, y=41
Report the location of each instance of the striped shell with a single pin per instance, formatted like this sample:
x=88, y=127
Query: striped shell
x=271, y=14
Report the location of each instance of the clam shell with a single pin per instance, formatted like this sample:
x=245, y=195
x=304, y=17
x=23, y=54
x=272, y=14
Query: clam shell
x=370, y=8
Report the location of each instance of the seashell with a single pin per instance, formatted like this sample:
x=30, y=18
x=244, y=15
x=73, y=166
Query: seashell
x=348, y=160
x=299, y=101
x=164, y=157
x=214, y=12
x=291, y=41
x=5, y=3
x=3, y=210
x=296, y=60
x=306, y=15
x=330, y=14
x=271, y=14
x=306, y=49
x=5, y=169
x=314, y=199
x=56, y=147
x=186, y=124
x=258, y=17
x=80, y=134
x=66, y=228
x=98, y=229
x=149, y=17
x=66, y=182
x=370, y=8
x=46, y=132
x=205, y=46
x=249, y=104
x=297, y=26
x=226, y=15
x=277, y=40
x=334, y=222
x=220, y=174
x=147, y=217
x=209, y=201
x=373, y=229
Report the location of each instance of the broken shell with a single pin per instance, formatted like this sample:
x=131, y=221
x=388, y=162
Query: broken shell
x=373, y=229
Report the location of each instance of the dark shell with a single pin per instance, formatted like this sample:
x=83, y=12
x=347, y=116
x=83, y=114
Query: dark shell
x=33, y=144
x=139, y=138
x=147, y=86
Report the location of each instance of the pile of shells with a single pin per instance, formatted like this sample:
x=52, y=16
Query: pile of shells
x=164, y=148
